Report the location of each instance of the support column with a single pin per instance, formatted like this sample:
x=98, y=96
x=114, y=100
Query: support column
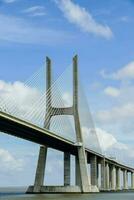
x=110, y=177
x=97, y=174
x=103, y=174
x=118, y=184
x=125, y=181
x=77, y=172
x=40, y=171
x=66, y=169
x=107, y=176
x=39, y=178
x=132, y=180
x=94, y=179
x=113, y=177
x=85, y=184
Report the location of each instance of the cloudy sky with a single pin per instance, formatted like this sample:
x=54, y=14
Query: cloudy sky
x=101, y=33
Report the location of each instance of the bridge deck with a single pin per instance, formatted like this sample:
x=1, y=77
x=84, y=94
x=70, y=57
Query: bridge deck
x=25, y=130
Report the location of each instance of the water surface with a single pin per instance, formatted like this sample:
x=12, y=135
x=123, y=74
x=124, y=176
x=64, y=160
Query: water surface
x=20, y=195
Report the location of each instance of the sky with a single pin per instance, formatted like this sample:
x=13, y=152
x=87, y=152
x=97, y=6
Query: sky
x=101, y=34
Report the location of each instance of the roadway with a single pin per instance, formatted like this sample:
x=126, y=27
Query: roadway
x=25, y=130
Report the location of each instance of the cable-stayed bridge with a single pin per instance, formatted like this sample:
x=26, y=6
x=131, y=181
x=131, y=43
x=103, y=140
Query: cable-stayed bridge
x=52, y=122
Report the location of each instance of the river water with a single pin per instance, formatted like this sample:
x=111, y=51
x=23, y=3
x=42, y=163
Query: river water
x=100, y=196
x=20, y=195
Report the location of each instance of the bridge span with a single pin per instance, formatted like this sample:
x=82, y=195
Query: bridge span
x=105, y=173
x=25, y=130
x=28, y=131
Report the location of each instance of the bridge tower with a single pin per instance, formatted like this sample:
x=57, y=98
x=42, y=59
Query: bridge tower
x=82, y=179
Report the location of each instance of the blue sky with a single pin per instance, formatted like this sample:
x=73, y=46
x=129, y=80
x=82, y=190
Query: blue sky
x=101, y=33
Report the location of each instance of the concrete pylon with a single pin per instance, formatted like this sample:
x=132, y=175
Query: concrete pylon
x=125, y=180
x=94, y=170
x=81, y=161
x=77, y=172
x=39, y=178
x=40, y=171
x=118, y=184
x=112, y=177
x=67, y=169
x=107, y=176
x=132, y=180
x=103, y=174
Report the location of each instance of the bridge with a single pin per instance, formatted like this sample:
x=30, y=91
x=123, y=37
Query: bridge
x=110, y=170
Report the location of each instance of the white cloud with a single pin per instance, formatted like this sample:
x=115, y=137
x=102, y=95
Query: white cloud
x=107, y=140
x=18, y=93
x=124, y=73
x=116, y=110
x=35, y=11
x=8, y=162
x=118, y=113
x=90, y=139
x=18, y=30
x=21, y=100
x=111, y=91
x=110, y=146
x=83, y=19
x=67, y=98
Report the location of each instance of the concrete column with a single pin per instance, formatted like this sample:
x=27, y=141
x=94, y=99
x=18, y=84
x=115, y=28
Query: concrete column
x=77, y=172
x=107, y=176
x=103, y=174
x=94, y=179
x=113, y=177
x=39, y=178
x=66, y=168
x=48, y=94
x=125, y=181
x=110, y=177
x=85, y=184
x=132, y=180
x=97, y=174
x=118, y=184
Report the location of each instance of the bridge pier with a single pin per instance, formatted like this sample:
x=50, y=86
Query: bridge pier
x=112, y=177
x=103, y=174
x=40, y=171
x=82, y=161
x=66, y=169
x=77, y=172
x=107, y=183
x=118, y=186
x=132, y=180
x=125, y=180
x=93, y=164
x=98, y=172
